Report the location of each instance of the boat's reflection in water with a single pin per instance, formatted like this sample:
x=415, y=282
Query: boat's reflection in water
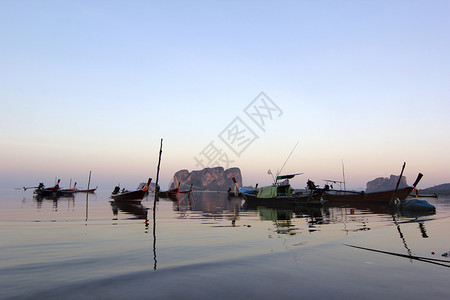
x=288, y=218
x=55, y=199
x=135, y=210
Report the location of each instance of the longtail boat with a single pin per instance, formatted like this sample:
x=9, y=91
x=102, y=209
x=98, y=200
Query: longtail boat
x=41, y=190
x=187, y=191
x=238, y=190
x=88, y=190
x=69, y=191
x=375, y=197
x=135, y=196
x=282, y=192
x=170, y=193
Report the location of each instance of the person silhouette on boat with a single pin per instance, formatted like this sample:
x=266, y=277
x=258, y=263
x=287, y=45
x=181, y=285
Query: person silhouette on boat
x=116, y=190
x=310, y=184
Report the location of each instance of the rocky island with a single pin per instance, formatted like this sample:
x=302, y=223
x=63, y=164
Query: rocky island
x=381, y=184
x=212, y=179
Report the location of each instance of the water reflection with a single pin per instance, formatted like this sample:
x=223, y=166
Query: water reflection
x=187, y=223
x=207, y=206
x=135, y=210
x=423, y=231
x=55, y=199
x=291, y=218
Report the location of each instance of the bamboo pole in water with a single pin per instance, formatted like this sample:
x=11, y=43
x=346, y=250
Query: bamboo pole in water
x=87, y=196
x=343, y=175
x=157, y=175
x=154, y=206
x=89, y=181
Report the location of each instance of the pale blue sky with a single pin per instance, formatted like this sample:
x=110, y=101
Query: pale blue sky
x=94, y=85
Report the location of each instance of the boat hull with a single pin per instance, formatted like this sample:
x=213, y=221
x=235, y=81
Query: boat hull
x=167, y=194
x=130, y=196
x=377, y=197
x=310, y=199
x=185, y=192
x=87, y=191
x=49, y=192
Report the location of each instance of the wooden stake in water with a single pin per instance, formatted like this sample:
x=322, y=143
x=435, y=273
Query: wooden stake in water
x=157, y=175
x=343, y=175
x=87, y=196
x=89, y=181
x=154, y=206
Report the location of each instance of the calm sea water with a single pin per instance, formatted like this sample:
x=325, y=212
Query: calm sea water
x=208, y=246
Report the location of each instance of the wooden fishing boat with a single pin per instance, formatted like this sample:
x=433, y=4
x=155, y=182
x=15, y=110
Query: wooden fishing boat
x=135, y=196
x=88, y=190
x=353, y=196
x=69, y=191
x=241, y=190
x=384, y=197
x=279, y=196
x=187, y=191
x=170, y=193
x=41, y=190
x=283, y=193
x=238, y=191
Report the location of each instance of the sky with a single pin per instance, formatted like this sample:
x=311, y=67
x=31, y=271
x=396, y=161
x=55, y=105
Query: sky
x=291, y=86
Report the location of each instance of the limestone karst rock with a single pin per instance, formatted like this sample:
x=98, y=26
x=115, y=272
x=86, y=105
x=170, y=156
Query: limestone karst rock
x=213, y=179
x=385, y=184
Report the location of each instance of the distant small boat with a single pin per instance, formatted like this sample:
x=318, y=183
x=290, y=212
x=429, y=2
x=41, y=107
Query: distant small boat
x=243, y=190
x=69, y=191
x=135, y=196
x=238, y=191
x=170, y=193
x=41, y=190
x=187, y=191
x=88, y=190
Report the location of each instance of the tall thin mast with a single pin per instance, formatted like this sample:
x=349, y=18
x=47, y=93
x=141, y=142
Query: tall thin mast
x=154, y=206
x=343, y=174
x=157, y=175
x=279, y=172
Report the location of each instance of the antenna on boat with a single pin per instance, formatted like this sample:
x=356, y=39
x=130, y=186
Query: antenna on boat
x=89, y=181
x=278, y=172
x=343, y=174
x=270, y=172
